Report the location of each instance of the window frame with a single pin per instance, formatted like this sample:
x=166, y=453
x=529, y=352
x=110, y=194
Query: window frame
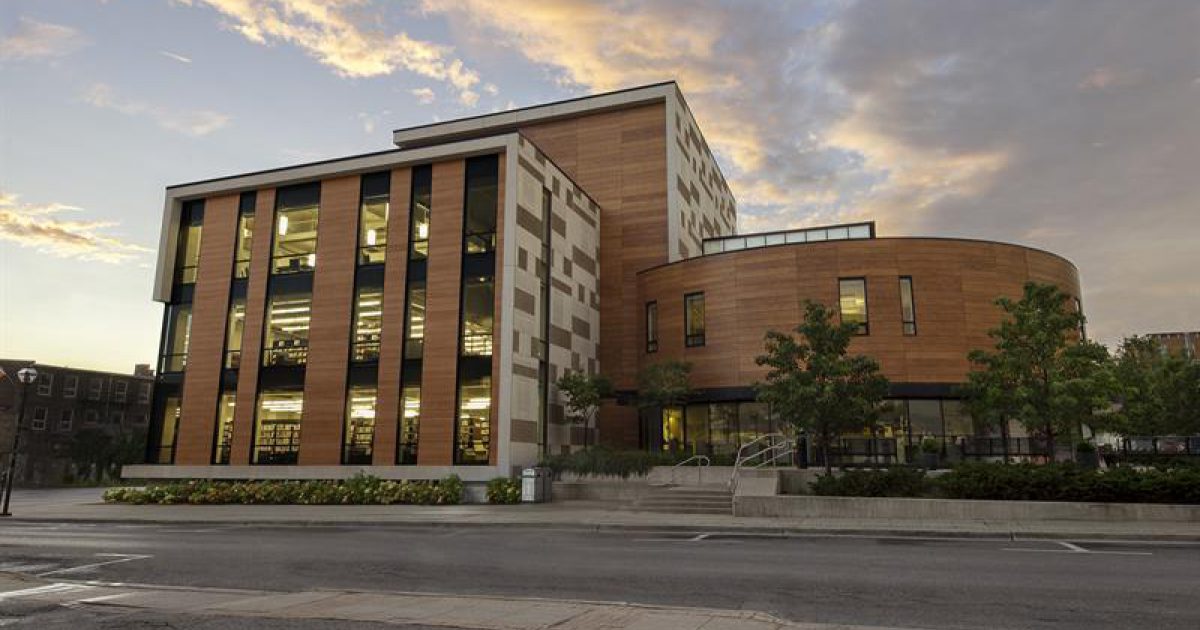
x=145, y=393
x=95, y=388
x=864, y=328
x=66, y=419
x=73, y=380
x=120, y=391
x=694, y=340
x=908, y=326
x=45, y=384
x=34, y=420
x=651, y=314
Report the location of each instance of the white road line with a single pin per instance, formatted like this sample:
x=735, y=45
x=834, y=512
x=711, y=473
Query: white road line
x=699, y=537
x=120, y=557
x=1073, y=547
x=57, y=587
x=102, y=598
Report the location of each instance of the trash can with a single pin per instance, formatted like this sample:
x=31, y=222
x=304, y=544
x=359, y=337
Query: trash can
x=535, y=485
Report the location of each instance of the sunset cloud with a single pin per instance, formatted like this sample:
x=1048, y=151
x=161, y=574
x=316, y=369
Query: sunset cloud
x=42, y=227
x=192, y=122
x=336, y=34
x=40, y=40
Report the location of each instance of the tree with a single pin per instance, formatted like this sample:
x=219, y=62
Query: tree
x=665, y=384
x=1040, y=371
x=1159, y=393
x=813, y=384
x=582, y=394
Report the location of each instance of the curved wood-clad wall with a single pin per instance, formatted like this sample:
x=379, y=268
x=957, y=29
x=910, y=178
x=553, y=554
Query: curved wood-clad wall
x=749, y=292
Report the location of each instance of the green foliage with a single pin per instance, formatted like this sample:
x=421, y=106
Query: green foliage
x=931, y=445
x=1068, y=482
x=894, y=482
x=665, y=384
x=1040, y=372
x=504, y=490
x=358, y=490
x=582, y=394
x=601, y=461
x=98, y=456
x=1160, y=393
x=813, y=384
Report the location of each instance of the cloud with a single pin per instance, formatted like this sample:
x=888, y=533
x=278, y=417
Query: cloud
x=176, y=57
x=340, y=34
x=424, y=95
x=40, y=40
x=38, y=226
x=192, y=122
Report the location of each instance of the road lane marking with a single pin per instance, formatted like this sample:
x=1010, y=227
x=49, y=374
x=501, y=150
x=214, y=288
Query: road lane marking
x=1072, y=548
x=120, y=557
x=57, y=587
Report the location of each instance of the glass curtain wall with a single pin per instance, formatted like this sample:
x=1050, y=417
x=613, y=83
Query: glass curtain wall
x=368, y=323
x=286, y=338
x=187, y=248
x=277, y=427
x=224, y=429
x=373, y=218
x=164, y=451
x=176, y=338
x=852, y=303
x=422, y=195
x=245, y=235
x=236, y=325
x=294, y=249
x=359, y=432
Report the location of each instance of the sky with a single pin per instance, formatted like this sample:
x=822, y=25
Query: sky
x=1072, y=126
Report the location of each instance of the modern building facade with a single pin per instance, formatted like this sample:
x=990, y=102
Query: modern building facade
x=67, y=406
x=407, y=312
x=1180, y=344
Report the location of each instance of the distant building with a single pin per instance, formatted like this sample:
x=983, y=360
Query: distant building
x=1178, y=343
x=66, y=405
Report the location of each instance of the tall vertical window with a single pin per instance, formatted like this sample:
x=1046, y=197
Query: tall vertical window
x=38, y=421
x=473, y=438
x=95, y=388
x=359, y=432
x=286, y=338
x=478, y=304
x=651, y=326
x=66, y=419
x=368, y=323
x=164, y=452
x=233, y=333
x=277, y=427
x=45, y=384
x=144, y=392
x=176, y=338
x=245, y=235
x=410, y=419
x=852, y=302
x=373, y=218
x=120, y=390
x=414, y=327
x=187, y=248
x=479, y=221
x=693, y=319
x=422, y=196
x=295, y=245
x=224, y=429
x=908, y=309
x=71, y=386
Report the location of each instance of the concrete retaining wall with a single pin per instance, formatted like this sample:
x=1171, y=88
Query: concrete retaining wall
x=785, y=506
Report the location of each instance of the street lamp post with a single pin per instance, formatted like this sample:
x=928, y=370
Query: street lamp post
x=25, y=376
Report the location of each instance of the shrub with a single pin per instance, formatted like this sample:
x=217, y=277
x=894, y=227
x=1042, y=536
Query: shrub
x=600, y=461
x=504, y=490
x=1068, y=482
x=892, y=482
x=358, y=490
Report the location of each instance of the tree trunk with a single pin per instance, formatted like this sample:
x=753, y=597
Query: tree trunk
x=825, y=456
x=1050, y=445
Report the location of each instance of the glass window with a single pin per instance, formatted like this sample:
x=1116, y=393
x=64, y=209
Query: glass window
x=651, y=326
x=45, y=384
x=236, y=325
x=672, y=428
x=479, y=224
x=277, y=427
x=144, y=392
x=410, y=420
x=187, y=249
x=38, y=421
x=853, y=303
x=175, y=342
x=224, y=429
x=70, y=386
x=908, y=312
x=286, y=339
x=422, y=194
x=66, y=419
x=372, y=231
x=245, y=239
x=478, y=306
x=925, y=419
x=91, y=416
x=368, y=324
x=120, y=389
x=165, y=450
x=696, y=429
x=723, y=428
x=414, y=336
x=359, y=433
x=95, y=388
x=958, y=421
x=295, y=247
x=473, y=437
x=753, y=421
x=693, y=313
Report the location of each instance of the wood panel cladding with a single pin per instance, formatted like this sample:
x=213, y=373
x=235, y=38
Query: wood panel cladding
x=439, y=371
x=256, y=297
x=747, y=293
x=620, y=159
x=391, y=349
x=206, y=345
x=329, y=329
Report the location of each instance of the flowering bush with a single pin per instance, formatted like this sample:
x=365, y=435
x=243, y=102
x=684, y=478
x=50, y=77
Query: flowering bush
x=358, y=490
x=504, y=490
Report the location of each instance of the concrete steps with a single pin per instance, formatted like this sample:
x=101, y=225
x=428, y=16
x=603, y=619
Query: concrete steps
x=685, y=500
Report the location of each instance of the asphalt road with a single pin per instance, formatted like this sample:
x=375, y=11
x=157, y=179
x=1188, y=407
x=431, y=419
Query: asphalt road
x=884, y=582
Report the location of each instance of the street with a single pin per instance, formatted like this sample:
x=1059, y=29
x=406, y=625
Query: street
x=898, y=582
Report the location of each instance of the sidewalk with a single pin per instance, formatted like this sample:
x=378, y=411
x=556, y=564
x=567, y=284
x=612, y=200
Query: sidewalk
x=84, y=505
x=454, y=611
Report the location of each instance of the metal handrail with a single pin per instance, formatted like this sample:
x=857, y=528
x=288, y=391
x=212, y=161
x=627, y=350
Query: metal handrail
x=778, y=446
x=701, y=460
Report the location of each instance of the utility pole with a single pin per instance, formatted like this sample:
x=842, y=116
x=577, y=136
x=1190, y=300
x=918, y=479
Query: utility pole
x=25, y=376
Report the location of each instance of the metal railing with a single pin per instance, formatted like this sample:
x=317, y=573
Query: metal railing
x=765, y=450
x=701, y=460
